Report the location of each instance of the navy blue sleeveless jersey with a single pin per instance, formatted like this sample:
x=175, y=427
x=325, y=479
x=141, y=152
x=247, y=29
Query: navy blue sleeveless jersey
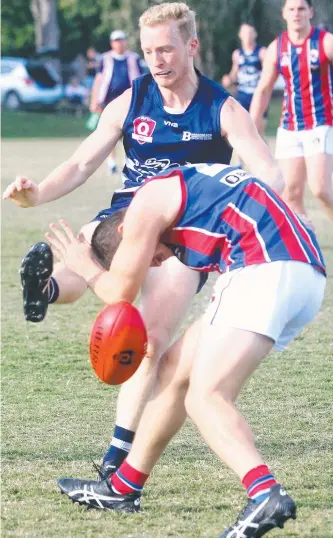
x=229, y=220
x=249, y=70
x=154, y=140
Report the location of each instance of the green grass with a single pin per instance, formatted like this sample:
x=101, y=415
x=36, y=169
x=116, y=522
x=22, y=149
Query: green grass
x=32, y=124
x=56, y=415
x=24, y=124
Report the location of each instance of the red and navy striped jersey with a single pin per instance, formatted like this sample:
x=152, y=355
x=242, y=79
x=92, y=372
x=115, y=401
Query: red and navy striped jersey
x=229, y=219
x=308, y=75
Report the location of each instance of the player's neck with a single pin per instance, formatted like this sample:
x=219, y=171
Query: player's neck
x=248, y=48
x=182, y=93
x=299, y=36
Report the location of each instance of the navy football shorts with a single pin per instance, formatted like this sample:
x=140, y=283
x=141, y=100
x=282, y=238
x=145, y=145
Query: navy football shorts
x=123, y=199
x=245, y=100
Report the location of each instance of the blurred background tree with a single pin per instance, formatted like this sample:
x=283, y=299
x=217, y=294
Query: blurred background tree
x=85, y=23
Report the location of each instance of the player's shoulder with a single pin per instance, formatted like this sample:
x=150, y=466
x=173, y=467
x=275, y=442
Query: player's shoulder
x=212, y=89
x=271, y=51
x=116, y=111
x=144, y=81
x=328, y=44
x=236, y=53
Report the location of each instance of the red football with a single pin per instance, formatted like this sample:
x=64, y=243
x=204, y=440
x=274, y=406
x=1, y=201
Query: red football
x=118, y=343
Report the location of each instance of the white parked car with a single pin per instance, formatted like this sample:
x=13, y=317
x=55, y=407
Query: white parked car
x=28, y=82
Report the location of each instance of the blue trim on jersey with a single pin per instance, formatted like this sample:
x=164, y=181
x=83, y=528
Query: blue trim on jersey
x=316, y=82
x=295, y=66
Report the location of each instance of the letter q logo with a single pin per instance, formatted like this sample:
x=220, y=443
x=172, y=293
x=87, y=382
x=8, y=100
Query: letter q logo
x=143, y=128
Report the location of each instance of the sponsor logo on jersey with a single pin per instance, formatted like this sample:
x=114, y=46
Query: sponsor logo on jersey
x=285, y=59
x=143, y=129
x=187, y=136
x=170, y=123
x=314, y=56
x=314, y=59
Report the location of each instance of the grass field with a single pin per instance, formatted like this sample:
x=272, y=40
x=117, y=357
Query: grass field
x=57, y=416
x=38, y=124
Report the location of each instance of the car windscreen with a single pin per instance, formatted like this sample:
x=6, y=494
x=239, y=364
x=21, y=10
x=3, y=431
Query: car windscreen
x=40, y=75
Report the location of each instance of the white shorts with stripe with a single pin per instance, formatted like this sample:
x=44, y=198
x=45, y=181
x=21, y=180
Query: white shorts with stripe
x=275, y=299
x=291, y=144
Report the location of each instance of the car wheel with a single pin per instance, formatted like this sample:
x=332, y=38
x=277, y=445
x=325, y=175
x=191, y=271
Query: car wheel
x=12, y=101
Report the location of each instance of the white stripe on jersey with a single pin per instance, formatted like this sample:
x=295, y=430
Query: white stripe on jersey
x=291, y=225
x=255, y=227
x=200, y=230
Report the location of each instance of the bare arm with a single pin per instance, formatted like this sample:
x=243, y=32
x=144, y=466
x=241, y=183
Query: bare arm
x=94, y=107
x=263, y=92
x=328, y=46
x=262, y=53
x=80, y=166
x=243, y=136
x=231, y=78
x=143, y=225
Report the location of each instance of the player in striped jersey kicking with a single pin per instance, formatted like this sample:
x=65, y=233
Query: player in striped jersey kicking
x=213, y=218
x=304, y=146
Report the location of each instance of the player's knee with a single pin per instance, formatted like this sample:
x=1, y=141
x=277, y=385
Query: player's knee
x=169, y=373
x=293, y=193
x=200, y=395
x=322, y=192
x=158, y=341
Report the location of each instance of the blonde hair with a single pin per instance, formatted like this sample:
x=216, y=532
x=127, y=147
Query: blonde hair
x=171, y=11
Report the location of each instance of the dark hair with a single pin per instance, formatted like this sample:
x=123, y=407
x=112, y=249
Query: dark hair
x=309, y=2
x=106, y=238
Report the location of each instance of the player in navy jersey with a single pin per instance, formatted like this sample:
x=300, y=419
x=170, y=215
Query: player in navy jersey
x=117, y=70
x=173, y=116
x=213, y=218
x=246, y=69
x=304, y=145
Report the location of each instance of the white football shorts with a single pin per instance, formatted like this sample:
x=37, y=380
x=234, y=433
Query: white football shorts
x=291, y=144
x=276, y=299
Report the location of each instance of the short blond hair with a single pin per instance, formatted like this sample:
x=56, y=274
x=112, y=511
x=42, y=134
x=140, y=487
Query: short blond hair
x=171, y=11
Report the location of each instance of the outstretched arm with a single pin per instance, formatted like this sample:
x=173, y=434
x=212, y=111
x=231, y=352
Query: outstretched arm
x=80, y=166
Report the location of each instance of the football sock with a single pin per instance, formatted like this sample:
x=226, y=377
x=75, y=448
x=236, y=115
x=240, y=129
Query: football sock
x=120, y=445
x=53, y=290
x=128, y=480
x=258, y=482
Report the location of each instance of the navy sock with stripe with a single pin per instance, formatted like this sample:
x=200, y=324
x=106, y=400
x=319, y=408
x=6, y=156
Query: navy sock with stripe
x=120, y=446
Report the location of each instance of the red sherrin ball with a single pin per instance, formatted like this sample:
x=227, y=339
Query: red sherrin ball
x=118, y=343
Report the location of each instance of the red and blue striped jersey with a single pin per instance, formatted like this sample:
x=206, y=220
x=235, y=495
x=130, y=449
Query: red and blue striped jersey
x=229, y=219
x=308, y=75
